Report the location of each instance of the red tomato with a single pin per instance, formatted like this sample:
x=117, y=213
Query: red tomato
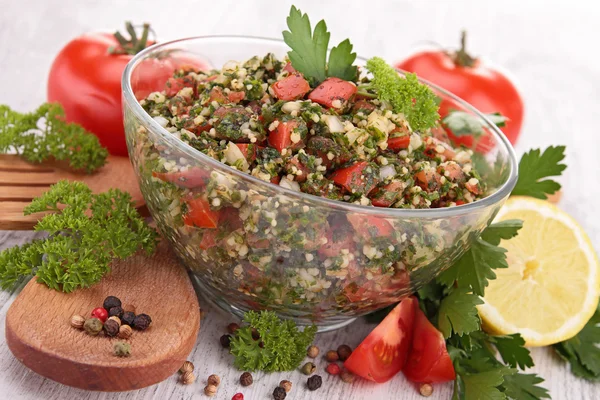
x=292, y=87
x=484, y=87
x=387, y=195
x=86, y=80
x=369, y=226
x=363, y=105
x=289, y=68
x=353, y=178
x=208, y=239
x=248, y=150
x=336, y=242
x=332, y=89
x=174, y=85
x=398, y=143
x=236, y=97
x=428, y=360
x=192, y=178
x=199, y=214
x=281, y=138
x=383, y=353
x=216, y=94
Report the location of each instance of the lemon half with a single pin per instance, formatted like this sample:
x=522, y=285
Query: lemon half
x=551, y=287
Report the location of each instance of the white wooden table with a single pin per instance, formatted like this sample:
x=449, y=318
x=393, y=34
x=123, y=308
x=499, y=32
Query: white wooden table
x=548, y=47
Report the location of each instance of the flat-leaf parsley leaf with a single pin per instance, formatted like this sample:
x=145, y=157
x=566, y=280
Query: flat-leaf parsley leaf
x=534, y=167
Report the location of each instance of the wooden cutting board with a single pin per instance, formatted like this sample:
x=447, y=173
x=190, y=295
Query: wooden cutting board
x=39, y=334
x=21, y=181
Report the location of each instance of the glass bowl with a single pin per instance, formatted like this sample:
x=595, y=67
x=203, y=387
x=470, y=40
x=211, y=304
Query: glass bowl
x=307, y=258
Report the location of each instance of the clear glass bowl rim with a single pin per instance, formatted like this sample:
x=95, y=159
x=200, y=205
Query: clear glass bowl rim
x=183, y=147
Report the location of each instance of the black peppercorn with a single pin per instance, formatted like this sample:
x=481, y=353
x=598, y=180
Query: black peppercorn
x=142, y=322
x=314, y=382
x=115, y=312
x=255, y=334
x=344, y=352
x=128, y=318
x=246, y=379
x=110, y=302
x=111, y=327
x=279, y=393
x=225, y=340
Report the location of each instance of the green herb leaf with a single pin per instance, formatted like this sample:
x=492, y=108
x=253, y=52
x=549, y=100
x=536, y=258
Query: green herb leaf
x=44, y=134
x=462, y=123
x=458, y=313
x=582, y=351
x=341, y=59
x=512, y=350
x=406, y=94
x=483, y=385
x=473, y=270
x=79, y=247
x=309, y=49
x=284, y=346
x=524, y=387
x=534, y=167
x=502, y=230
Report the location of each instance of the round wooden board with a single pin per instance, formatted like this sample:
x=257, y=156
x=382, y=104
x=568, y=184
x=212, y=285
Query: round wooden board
x=39, y=334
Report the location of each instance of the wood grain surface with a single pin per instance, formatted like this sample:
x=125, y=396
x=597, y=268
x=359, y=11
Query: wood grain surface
x=21, y=181
x=39, y=334
x=546, y=45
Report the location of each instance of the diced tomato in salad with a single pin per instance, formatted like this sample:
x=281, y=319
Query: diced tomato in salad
x=216, y=94
x=248, y=150
x=192, y=178
x=209, y=239
x=236, y=97
x=387, y=195
x=281, y=137
x=398, y=143
x=370, y=226
x=174, y=85
x=356, y=178
x=199, y=214
x=292, y=87
x=332, y=89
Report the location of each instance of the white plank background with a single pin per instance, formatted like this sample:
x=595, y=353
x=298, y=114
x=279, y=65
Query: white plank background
x=549, y=47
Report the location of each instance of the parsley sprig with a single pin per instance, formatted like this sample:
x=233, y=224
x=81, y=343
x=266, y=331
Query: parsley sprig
x=281, y=346
x=86, y=232
x=534, y=167
x=43, y=134
x=309, y=50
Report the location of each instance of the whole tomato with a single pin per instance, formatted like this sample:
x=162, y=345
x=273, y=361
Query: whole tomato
x=85, y=78
x=484, y=87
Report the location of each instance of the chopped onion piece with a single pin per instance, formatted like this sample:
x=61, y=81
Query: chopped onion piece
x=387, y=171
x=162, y=121
x=333, y=123
x=233, y=155
x=286, y=183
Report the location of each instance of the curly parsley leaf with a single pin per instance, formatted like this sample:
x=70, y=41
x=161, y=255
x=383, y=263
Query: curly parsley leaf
x=43, y=135
x=582, y=351
x=502, y=230
x=534, y=167
x=458, y=313
x=524, y=387
x=407, y=95
x=462, y=123
x=341, y=59
x=512, y=350
x=86, y=232
x=283, y=345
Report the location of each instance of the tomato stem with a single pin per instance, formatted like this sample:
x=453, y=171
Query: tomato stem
x=133, y=45
x=461, y=57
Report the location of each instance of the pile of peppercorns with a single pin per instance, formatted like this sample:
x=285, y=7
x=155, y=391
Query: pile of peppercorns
x=111, y=320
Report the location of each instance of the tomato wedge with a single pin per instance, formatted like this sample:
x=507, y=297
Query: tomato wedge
x=383, y=353
x=332, y=89
x=292, y=87
x=199, y=214
x=428, y=359
x=281, y=138
x=192, y=178
x=398, y=143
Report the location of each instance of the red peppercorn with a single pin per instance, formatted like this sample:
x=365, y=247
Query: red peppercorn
x=238, y=396
x=333, y=369
x=100, y=313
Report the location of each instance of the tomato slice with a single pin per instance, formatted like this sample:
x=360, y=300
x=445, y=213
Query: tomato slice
x=383, y=353
x=332, y=89
x=192, y=178
x=428, y=359
x=292, y=87
x=355, y=179
x=281, y=138
x=199, y=214
x=370, y=226
x=398, y=143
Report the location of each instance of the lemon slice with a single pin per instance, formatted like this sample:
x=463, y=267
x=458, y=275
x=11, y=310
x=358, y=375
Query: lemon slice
x=551, y=287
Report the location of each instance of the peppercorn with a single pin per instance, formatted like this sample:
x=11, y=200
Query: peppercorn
x=333, y=369
x=314, y=382
x=210, y=390
x=312, y=351
x=110, y=302
x=232, y=327
x=246, y=379
x=116, y=312
x=142, y=322
x=344, y=352
x=125, y=332
x=308, y=368
x=238, y=396
x=188, y=378
x=128, y=318
x=77, y=321
x=279, y=393
x=214, y=380
x=100, y=313
x=92, y=326
x=225, y=340
x=287, y=385
x=332, y=356
x=255, y=334
x=111, y=328
x=346, y=376
x=426, y=390
x=187, y=367
x=116, y=319
x=122, y=349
